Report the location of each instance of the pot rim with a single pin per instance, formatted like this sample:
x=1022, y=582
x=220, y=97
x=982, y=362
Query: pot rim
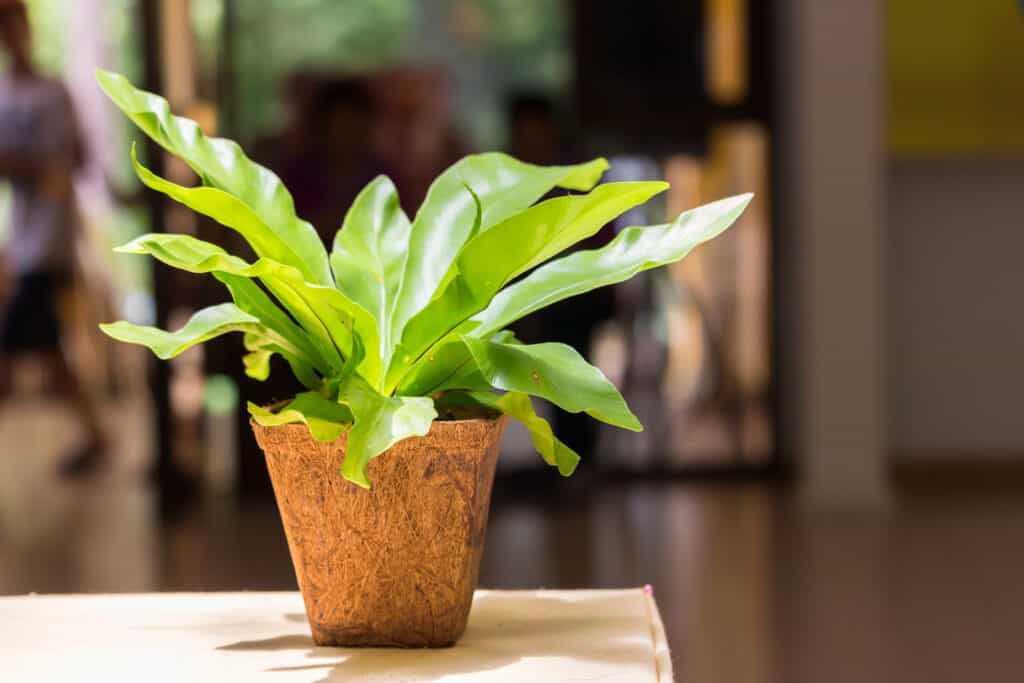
x=274, y=406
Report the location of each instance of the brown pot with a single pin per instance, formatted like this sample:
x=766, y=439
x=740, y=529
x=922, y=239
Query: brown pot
x=395, y=565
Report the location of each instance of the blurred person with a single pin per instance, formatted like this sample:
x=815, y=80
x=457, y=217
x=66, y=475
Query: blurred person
x=344, y=159
x=292, y=140
x=414, y=135
x=40, y=148
x=533, y=132
x=535, y=136
x=287, y=152
x=325, y=152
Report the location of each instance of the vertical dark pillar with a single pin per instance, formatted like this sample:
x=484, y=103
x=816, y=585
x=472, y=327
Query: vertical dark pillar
x=253, y=481
x=172, y=485
x=226, y=103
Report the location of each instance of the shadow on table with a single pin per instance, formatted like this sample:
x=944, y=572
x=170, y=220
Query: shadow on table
x=504, y=629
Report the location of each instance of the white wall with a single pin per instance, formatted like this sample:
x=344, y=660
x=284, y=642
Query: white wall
x=830, y=188
x=955, y=309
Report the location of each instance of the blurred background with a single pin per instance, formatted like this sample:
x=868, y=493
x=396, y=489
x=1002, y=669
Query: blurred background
x=830, y=480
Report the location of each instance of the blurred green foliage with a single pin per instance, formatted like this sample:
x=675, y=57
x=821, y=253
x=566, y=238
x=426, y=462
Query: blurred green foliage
x=489, y=46
x=504, y=44
x=50, y=23
x=276, y=37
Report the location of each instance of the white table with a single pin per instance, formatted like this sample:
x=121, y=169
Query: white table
x=606, y=636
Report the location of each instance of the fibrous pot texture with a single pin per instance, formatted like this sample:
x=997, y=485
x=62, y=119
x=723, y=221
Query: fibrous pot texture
x=395, y=565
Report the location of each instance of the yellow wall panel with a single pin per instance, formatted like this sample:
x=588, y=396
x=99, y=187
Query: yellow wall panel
x=955, y=77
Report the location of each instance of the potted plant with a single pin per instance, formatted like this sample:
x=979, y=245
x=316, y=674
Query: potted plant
x=382, y=468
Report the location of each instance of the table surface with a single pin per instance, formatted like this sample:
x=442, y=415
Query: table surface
x=608, y=635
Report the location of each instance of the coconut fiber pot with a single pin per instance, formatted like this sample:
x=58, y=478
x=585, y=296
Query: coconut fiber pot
x=395, y=565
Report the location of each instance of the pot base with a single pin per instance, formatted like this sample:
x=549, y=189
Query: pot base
x=326, y=635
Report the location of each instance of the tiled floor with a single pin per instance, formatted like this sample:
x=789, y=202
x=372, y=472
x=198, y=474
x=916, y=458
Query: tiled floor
x=752, y=587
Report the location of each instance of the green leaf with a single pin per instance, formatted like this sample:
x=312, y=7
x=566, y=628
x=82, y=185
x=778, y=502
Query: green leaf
x=450, y=366
x=510, y=248
x=380, y=422
x=261, y=350
x=204, y=325
x=325, y=419
x=333, y=385
x=634, y=250
x=519, y=406
x=554, y=372
x=534, y=235
x=310, y=312
x=474, y=231
x=506, y=337
x=368, y=254
x=502, y=186
x=193, y=255
x=446, y=366
x=315, y=307
x=326, y=331
x=250, y=298
x=303, y=372
x=257, y=364
x=222, y=165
